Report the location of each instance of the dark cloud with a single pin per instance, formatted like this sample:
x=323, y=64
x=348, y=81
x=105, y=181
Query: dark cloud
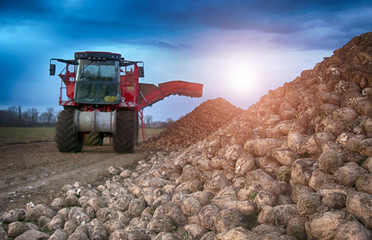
x=160, y=44
x=24, y=8
x=158, y=18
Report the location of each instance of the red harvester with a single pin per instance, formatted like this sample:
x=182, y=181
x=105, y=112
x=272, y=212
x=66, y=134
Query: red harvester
x=105, y=98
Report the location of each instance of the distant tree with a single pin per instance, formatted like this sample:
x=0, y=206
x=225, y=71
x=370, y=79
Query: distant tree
x=44, y=117
x=47, y=118
x=19, y=114
x=50, y=115
x=170, y=120
x=3, y=117
x=12, y=113
x=26, y=118
x=148, y=119
x=15, y=117
x=10, y=117
x=32, y=114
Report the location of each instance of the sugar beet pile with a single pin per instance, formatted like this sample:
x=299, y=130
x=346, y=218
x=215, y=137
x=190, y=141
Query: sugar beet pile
x=296, y=165
x=195, y=126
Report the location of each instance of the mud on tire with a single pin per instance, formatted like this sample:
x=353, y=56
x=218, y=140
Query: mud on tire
x=66, y=138
x=125, y=138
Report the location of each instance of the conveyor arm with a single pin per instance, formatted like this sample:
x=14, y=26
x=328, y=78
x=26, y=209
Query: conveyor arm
x=150, y=94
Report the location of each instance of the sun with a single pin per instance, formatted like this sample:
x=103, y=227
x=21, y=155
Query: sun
x=242, y=80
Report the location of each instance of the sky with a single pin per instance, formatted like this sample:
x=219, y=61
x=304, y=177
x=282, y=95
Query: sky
x=239, y=49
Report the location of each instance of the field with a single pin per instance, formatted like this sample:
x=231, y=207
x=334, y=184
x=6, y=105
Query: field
x=11, y=135
x=26, y=134
x=150, y=132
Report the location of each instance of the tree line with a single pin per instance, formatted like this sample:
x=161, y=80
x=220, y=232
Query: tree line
x=15, y=117
x=149, y=123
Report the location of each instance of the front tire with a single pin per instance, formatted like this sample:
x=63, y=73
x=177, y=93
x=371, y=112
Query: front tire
x=66, y=138
x=125, y=137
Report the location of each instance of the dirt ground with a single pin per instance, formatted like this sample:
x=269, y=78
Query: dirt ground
x=35, y=172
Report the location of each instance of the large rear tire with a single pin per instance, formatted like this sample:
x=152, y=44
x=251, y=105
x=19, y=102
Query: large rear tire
x=93, y=139
x=125, y=137
x=66, y=138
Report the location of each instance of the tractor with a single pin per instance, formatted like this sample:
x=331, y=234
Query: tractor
x=105, y=98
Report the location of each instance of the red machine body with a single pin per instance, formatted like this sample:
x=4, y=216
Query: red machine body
x=136, y=95
x=126, y=91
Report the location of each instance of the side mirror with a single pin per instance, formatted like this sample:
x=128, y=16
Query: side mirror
x=141, y=72
x=52, y=69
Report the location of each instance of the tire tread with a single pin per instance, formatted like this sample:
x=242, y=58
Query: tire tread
x=124, y=140
x=66, y=138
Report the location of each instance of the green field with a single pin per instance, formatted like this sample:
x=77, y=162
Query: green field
x=26, y=134
x=9, y=135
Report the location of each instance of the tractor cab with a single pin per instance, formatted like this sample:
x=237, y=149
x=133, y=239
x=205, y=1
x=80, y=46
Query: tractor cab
x=97, y=78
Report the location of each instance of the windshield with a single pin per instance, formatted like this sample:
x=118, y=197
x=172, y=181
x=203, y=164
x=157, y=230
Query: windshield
x=98, y=70
x=97, y=82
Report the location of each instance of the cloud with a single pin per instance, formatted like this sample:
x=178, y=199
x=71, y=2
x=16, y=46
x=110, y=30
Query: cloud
x=115, y=20
x=24, y=8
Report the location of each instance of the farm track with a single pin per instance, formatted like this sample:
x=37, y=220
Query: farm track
x=37, y=171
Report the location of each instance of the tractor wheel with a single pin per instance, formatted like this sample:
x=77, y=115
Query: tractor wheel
x=125, y=138
x=66, y=137
x=93, y=139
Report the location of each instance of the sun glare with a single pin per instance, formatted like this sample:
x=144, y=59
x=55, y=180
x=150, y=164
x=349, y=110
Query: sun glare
x=242, y=80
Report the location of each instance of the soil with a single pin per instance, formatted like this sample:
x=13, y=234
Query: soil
x=36, y=172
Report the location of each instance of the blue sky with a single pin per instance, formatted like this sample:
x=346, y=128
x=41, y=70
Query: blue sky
x=238, y=49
